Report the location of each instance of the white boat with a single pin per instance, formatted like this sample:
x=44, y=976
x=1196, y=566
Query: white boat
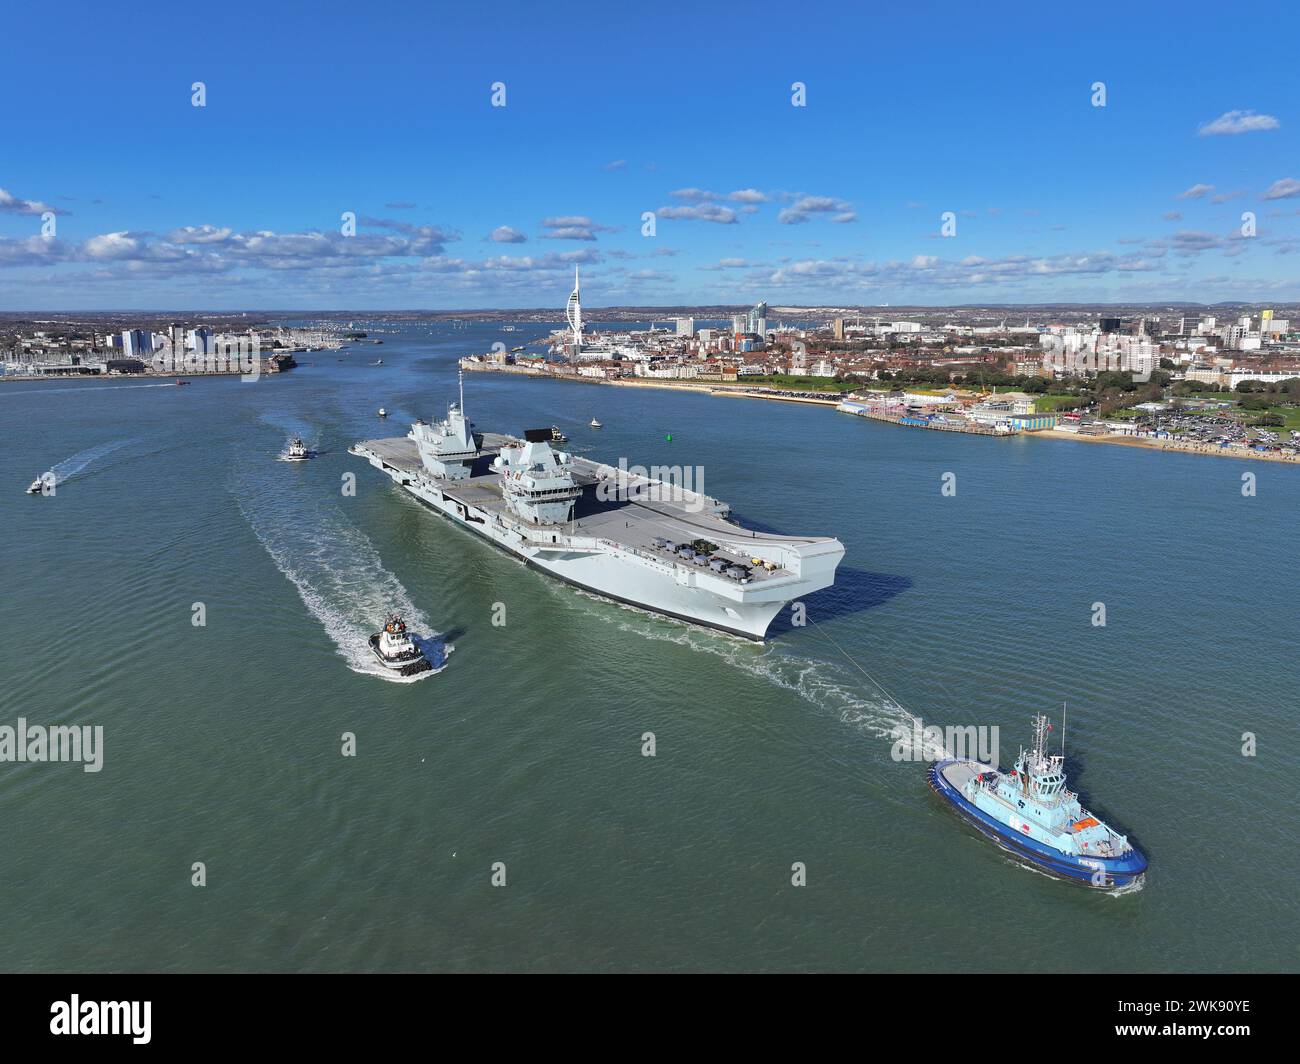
x=297, y=451
x=596, y=424
x=37, y=484
x=383, y=412
x=378, y=362
x=396, y=650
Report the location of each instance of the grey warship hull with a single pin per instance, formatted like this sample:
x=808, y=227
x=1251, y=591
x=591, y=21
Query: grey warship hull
x=612, y=546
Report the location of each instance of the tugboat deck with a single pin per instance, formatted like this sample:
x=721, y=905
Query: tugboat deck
x=959, y=773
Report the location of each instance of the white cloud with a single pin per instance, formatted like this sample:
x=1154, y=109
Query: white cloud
x=805, y=207
x=703, y=212
x=504, y=234
x=572, y=227
x=1195, y=192
x=200, y=234
x=11, y=204
x=1283, y=189
x=1231, y=123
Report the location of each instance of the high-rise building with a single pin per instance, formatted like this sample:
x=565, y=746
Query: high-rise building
x=685, y=326
x=199, y=341
x=757, y=322
x=137, y=343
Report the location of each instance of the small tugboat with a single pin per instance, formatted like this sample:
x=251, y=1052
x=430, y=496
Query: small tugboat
x=1029, y=813
x=596, y=424
x=396, y=650
x=378, y=362
x=297, y=451
x=383, y=412
x=557, y=436
x=36, y=487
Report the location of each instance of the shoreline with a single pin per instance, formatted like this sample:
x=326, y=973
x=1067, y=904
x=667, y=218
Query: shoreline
x=733, y=391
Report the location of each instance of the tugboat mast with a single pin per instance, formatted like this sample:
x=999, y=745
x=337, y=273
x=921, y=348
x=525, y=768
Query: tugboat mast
x=1040, y=739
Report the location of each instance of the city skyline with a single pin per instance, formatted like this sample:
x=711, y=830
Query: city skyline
x=816, y=161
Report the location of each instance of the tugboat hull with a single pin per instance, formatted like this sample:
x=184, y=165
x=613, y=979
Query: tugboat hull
x=1101, y=873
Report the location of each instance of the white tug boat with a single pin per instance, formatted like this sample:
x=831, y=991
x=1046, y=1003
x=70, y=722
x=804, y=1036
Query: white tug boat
x=37, y=484
x=596, y=424
x=383, y=412
x=396, y=650
x=297, y=451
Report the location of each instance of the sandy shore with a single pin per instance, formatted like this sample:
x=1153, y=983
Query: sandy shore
x=1167, y=445
x=734, y=391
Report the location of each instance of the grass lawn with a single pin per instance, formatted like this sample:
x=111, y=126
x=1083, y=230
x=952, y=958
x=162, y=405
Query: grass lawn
x=1047, y=404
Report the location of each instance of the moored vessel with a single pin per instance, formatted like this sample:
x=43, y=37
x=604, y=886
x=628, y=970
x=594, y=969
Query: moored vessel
x=1029, y=812
x=395, y=650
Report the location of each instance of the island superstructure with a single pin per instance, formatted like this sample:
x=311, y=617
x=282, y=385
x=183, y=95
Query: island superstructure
x=634, y=539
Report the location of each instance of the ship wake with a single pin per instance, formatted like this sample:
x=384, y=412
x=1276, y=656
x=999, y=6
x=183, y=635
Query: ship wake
x=817, y=682
x=336, y=571
x=80, y=463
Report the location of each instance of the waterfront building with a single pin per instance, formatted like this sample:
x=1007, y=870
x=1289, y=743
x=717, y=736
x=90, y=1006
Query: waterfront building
x=137, y=343
x=199, y=341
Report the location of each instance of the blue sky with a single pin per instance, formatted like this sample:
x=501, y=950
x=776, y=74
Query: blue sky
x=685, y=110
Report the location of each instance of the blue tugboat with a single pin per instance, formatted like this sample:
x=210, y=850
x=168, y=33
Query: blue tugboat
x=1029, y=813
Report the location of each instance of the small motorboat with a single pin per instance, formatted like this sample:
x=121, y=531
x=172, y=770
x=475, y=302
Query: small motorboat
x=557, y=436
x=383, y=412
x=36, y=487
x=180, y=383
x=596, y=424
x=297, y=451
x=377, y=362
x=396, y=650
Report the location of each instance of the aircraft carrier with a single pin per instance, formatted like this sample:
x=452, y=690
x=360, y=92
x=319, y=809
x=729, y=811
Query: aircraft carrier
x=637, y=540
